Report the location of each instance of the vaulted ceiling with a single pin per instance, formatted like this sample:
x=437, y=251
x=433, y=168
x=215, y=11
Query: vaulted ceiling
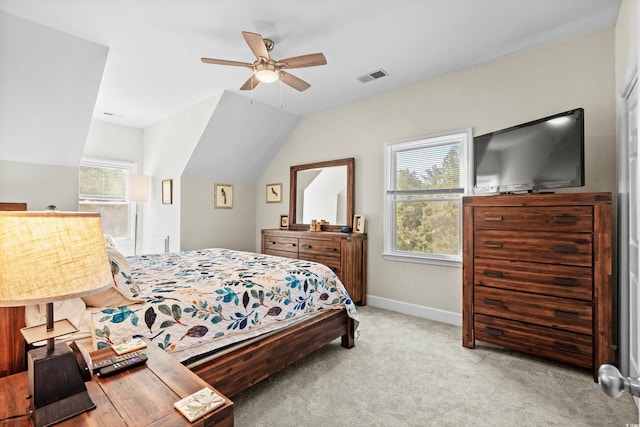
x=137, y=62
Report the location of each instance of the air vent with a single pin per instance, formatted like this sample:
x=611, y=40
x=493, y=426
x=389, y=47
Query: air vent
x=373, y=76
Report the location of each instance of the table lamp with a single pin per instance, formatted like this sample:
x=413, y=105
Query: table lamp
x=46, y=257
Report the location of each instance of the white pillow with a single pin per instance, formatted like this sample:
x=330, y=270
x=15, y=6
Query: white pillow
x=124, y=291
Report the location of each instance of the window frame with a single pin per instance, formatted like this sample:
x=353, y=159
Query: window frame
x=465, y=138
x=132, y=168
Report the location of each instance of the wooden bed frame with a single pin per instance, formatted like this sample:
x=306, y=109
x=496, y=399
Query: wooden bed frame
x=238, y=370
x=230, y=373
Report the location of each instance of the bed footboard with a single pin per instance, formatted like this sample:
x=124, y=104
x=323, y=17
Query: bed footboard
x=238, y=370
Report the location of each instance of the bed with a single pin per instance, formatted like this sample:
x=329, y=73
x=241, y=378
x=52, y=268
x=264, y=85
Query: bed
x=234, y=318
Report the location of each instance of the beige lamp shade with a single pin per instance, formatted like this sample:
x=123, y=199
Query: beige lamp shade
x=49, y=256
x=138, y=188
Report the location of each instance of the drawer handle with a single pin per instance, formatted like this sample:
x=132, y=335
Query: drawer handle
x=305, y=246
x=566, y=347
x=566, y=249
x=291, y=244
x=561, y=281
x=271, y=243
x=492, y=273
x=495, y=302
x=566, y=314
x=565, y=219
x=493, y=245
x=493, y=218
x=330, y=249
x=492, y=331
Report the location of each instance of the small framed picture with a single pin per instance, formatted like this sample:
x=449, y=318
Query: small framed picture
x=284, y=221
x=274, y=193
x=358, y=223
x=167, y=191
x=223, y=197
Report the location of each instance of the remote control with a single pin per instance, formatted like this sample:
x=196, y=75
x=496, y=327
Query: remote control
x=115, y=359
x=129, y=362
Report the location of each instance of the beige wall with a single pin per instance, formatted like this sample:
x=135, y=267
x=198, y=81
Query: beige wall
x=575, y=73
x=204, y=226
x=39, y=185
x=626, y=40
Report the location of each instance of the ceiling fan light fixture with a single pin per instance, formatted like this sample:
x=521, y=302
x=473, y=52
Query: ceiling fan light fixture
x=266, y=72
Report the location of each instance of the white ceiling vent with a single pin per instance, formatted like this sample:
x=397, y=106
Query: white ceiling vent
x=373, y=76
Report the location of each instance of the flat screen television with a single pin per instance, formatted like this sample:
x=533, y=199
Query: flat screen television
x=543, y=154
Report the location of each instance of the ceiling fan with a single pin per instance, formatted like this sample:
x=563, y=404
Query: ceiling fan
x=266, y=69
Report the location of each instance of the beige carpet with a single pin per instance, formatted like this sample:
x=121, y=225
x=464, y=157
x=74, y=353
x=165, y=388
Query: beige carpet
x=406, y=371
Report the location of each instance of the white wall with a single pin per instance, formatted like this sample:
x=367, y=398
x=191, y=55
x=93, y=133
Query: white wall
x=111, y=141
x=517, y=89
x=168, y=146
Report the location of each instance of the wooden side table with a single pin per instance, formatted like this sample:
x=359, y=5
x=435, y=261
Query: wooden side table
x=141, y=396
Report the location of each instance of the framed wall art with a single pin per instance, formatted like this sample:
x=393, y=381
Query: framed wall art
x=274, y=193
x=167, y=191
x=284, y=222
x=223, y=197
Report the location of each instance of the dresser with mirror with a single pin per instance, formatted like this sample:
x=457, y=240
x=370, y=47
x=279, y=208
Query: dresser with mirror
x=323, y=191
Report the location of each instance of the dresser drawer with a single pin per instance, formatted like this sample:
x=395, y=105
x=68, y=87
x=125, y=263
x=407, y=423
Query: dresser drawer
x=331, y=262
x=280, y=244
x=319, y=247
x=552, y=218
x=534, y=246
x=560, y=345
x=546, y=279
x=284, y=254
x=561, y=313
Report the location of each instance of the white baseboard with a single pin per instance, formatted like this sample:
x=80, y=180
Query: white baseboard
x=430, y=313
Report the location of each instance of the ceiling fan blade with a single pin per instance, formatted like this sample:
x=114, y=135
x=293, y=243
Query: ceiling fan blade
x=226, y=62
x=256, y=44
x=310, y=60
x=251, y=83
x=294, y=81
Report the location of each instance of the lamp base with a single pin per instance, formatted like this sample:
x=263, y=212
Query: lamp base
x=62, y=409
x=56, y=386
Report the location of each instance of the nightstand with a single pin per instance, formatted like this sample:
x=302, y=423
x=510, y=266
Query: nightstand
x=138, y=397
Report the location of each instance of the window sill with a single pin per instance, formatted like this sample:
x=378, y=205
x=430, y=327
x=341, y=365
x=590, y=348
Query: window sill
x=423, y=260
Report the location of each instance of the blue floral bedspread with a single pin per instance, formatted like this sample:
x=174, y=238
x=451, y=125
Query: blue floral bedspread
x=197, y=301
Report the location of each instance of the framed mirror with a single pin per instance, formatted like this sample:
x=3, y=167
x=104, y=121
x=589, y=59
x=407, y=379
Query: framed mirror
x=322, y=190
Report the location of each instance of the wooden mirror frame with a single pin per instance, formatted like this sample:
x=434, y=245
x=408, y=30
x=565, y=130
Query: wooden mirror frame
x=350, y=164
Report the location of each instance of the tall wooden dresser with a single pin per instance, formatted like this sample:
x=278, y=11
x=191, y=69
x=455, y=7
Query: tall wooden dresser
x=344, y=253
x=537, y=275
x=12, y=350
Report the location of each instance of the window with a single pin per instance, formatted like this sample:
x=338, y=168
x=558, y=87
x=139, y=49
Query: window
x=103, y=189
x=425, y=181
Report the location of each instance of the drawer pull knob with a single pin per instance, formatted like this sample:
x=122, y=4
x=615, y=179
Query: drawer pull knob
x=493, y=245
x=495, y=302
x=291, y=244
x=330, y=249
x=561, y=281
x=566, y=347
x=493, y=218
x=492, y=331
x=492, y=273
x=565, y=314
x=565, y=219
x=566, y=249
x=305, y=246
x=271, y=242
